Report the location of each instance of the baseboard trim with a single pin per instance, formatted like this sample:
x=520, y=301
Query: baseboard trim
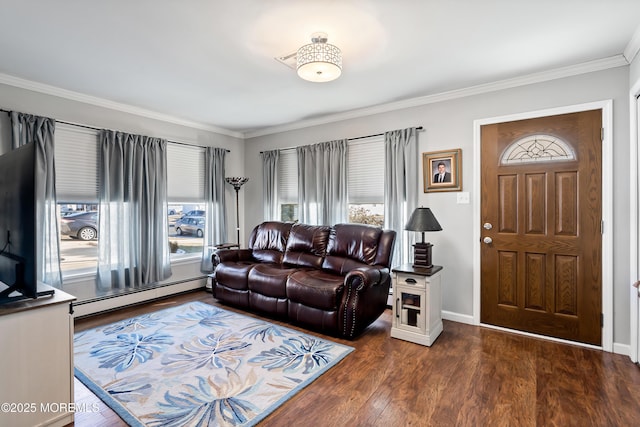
x=457, y=317
x=624, y=349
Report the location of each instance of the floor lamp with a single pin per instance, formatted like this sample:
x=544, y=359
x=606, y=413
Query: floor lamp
x=237, y=183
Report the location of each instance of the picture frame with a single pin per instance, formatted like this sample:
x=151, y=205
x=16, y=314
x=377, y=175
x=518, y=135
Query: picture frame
x=449, y=162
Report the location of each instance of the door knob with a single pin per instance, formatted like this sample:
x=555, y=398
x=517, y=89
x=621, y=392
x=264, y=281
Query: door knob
x=487, y=240
x=487, y=226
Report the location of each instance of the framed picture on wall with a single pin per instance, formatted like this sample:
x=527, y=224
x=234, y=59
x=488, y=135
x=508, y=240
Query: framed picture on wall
x=442, y=170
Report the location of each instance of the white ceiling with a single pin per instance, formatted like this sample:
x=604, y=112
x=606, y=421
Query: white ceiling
x=211, y=62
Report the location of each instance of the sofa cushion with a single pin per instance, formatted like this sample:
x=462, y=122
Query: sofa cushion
x=307, y=245
x=351, y=246
x=234, y=274
x=316, y=288
x=270, y=279
x=269, y=241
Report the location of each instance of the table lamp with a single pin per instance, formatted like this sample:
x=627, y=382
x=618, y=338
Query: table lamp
x=422, y=220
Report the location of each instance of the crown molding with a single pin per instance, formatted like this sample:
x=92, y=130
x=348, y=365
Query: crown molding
x=112, y=105
x=633, y=47
x=598, y=65
x=558, y=73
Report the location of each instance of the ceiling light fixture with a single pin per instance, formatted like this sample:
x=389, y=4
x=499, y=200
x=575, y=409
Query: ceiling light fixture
x=319, y=61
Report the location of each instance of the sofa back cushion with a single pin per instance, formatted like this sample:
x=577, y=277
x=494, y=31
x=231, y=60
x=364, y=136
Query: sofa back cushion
x=307, y=245
x=351, y=246
x=268, y=241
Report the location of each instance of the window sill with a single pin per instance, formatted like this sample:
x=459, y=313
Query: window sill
x=77, y=276
x=186, y=259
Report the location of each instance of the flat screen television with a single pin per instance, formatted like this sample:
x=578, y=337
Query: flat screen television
x=19, y=225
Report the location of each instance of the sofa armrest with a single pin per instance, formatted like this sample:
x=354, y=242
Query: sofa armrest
x=233, y=255
x=362, y=277
x=365, y=298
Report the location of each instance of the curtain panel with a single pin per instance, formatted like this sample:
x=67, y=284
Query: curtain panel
x=26, y=129
x=322, y=183
x=133, y=248
x=401, y=182
x=215, y=211
x=270, y=184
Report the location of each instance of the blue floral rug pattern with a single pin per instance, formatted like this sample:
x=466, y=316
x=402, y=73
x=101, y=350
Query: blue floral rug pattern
x=199, y=365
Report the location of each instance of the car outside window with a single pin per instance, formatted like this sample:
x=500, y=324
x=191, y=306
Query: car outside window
x=186, y=231
x=79, y=234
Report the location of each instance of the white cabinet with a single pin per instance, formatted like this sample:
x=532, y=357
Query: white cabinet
x=417, y=304
x=36, y=362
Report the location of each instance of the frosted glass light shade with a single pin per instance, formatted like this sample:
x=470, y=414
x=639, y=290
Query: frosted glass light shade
x=319, y=61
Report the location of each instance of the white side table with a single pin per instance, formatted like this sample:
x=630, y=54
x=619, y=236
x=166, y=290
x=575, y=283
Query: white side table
x=417, y=304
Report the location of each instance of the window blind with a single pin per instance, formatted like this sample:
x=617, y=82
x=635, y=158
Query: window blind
x=365, y=170
x=185, y=172
x=76, y=155
x=288, y=177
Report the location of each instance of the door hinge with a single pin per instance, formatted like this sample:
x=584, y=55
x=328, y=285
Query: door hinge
x=601, y=320
x=602, y=227
x=601, y=134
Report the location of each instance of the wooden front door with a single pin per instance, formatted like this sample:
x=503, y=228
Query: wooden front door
x=541, y=214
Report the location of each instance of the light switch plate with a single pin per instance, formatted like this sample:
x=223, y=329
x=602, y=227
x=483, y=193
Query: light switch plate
x=463, y=198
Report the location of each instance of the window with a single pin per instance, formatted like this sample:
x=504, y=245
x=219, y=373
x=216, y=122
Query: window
x=77, y=164
x=185, y=194
x=537, y=148
x=288, y=185
x=365, y=174
x=365, y=182
x=76, y=154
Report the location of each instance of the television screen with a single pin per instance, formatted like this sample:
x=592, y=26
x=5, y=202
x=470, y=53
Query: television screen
x=18, y=225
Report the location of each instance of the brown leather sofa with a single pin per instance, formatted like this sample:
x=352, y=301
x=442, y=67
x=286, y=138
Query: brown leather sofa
x=332, y=279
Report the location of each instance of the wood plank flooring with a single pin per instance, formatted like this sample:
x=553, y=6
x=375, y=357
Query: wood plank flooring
x=471, y=376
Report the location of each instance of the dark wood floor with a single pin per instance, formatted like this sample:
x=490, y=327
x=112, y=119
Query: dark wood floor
x=471, y=376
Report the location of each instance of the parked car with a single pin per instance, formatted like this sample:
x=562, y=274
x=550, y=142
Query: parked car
x=175, y=210
x=193, y=213
x=190, y=225
x=80, y=225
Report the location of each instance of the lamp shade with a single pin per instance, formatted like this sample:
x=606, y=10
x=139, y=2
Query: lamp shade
x=422, y=219
x=236, y=181
x=319, y=61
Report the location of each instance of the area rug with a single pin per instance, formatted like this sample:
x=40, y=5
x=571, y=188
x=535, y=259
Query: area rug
x=199, y=365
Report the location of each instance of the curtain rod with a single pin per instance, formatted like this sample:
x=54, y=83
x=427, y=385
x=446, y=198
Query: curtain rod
x=95, y=128
x=419, y=128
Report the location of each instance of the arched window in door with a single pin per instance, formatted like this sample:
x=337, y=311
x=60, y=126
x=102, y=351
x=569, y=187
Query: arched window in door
x=537, y=148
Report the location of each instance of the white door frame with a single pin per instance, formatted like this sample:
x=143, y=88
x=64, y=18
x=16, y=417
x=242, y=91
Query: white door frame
x=607, y=210
x=634, y=141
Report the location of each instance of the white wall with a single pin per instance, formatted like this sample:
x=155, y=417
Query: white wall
x=13, y=98
x=449, y=124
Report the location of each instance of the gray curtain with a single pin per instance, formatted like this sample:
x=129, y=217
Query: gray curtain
x=269, y=184
x=27, y=128
x=322, y=183
x=401, y=182
x=215, y=210
x=133, y=248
